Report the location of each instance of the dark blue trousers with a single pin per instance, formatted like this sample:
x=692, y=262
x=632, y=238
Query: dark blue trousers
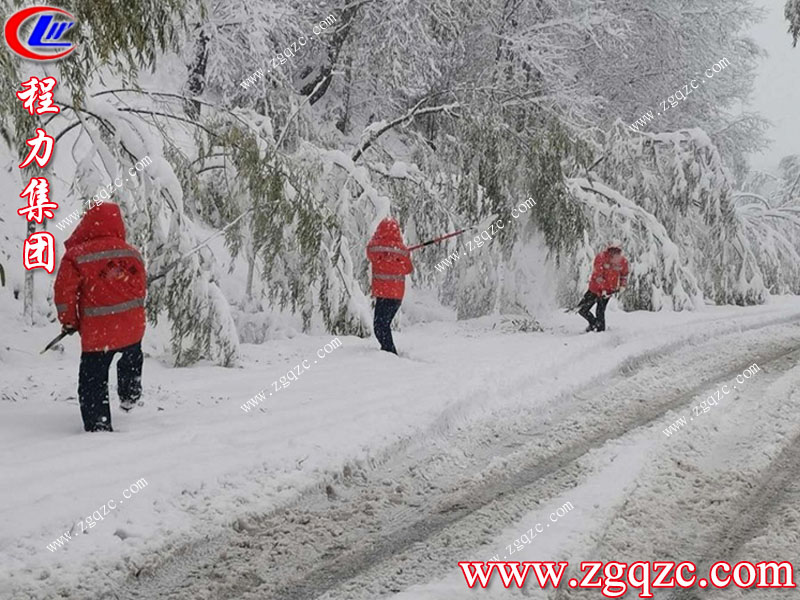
x=93, y=384
x=385, y=310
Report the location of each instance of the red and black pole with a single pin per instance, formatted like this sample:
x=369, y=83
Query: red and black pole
x=439, y=239
x=484, y=224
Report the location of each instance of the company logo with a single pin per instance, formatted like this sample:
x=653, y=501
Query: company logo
x=35, y=34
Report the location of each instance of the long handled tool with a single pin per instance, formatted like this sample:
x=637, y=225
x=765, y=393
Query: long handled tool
x=482, y=225
x=439, y=239
x=57, y=339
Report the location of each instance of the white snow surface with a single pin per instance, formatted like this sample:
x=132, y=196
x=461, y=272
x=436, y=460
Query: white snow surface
x=208, y=463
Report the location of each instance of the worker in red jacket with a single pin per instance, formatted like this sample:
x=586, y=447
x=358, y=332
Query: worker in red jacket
x=391, y=262
x=99, y=292
x=610, y=275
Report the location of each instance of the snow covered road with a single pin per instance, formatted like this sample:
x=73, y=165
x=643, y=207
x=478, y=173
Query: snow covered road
x=413, y=518
x=349, y=489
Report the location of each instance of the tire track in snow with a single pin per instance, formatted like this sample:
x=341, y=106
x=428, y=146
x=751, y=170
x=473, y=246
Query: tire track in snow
x=342, y=563
x=526, y=477
x=755, y=511
x=746, y=495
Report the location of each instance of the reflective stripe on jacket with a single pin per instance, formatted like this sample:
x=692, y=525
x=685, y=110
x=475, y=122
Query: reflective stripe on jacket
x=391, y=261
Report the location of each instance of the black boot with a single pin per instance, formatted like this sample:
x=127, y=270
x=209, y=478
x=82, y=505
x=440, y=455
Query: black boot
x=129, y=376
x=100, y=427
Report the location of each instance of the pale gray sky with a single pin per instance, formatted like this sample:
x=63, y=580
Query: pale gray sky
x=777, y=89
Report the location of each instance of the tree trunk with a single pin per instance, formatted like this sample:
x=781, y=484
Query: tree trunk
x=344, y=123
x=251, y=267
x=196, y=82
x=27, y=294
x=501, y=280
x=337, y=40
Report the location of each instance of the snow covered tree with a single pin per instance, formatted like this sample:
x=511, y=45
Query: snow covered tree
x=108, y=135
x=655, y=49
x=680, y=178
x=768, y=210
x=444, y=114
x=792, y=13
x=125, y=38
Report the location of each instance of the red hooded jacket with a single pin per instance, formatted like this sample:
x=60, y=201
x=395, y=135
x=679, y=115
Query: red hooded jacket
x=391, y=261
x=609, y=274
x=101, y=283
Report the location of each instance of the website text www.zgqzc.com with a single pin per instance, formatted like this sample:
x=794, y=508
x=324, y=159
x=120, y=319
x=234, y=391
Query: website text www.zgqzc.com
x=615, y=578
